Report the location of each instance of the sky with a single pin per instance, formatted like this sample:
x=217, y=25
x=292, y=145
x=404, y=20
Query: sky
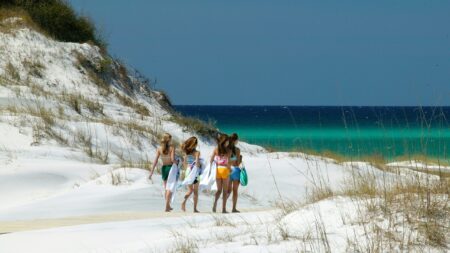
x=283, y=52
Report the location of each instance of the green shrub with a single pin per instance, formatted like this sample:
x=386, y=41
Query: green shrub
x=59, y=20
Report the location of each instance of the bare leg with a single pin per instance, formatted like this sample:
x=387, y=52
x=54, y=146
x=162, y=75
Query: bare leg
x=229, y=188
x=219, y=191
x=235, y=195
x=168, y=198
x=164, y=184
x=188, y=194
x=195, y=197
x=225, y=197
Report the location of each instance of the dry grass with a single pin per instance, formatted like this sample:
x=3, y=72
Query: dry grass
x=96, y=71
x=183, y=244
x=37, y=90
x=127, y=101
x=24, y=20
x=35, y=68
x=74, y=101
x=288, y=206
x=221, y=220
x=84, y=139
x=422, y=204
x=77, y=102
x=117, y=178
x=93, y=106
x=12, y=72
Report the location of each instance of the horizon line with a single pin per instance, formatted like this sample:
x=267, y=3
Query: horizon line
x=318, y=105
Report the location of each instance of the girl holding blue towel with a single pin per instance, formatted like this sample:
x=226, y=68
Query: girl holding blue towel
x=191, y=159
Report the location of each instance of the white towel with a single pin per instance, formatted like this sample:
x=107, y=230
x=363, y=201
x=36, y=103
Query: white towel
x=193, y=172
x=208, y=180
x=172, y=180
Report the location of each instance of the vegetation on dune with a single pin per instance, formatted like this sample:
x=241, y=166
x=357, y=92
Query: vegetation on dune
x=195, y=125
x=57, y=19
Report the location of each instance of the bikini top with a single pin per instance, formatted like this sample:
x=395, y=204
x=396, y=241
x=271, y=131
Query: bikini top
x=221, y=160
x=190, y=159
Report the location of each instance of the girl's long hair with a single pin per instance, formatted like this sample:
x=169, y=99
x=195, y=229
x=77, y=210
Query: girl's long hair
x=233, y=138
x=165, y=143
x=189, y=145
x=222, y=149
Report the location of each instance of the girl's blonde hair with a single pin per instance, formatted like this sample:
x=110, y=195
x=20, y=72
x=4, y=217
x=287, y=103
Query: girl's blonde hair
x=165, y=143
x=189, y=145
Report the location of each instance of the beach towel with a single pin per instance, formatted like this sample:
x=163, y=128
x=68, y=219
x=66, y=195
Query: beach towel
x=208, y=178
x=191, y=174
x=172, y=180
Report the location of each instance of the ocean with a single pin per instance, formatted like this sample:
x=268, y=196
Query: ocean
x=349, y=131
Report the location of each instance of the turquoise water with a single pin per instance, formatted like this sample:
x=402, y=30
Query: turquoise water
x=348, y=131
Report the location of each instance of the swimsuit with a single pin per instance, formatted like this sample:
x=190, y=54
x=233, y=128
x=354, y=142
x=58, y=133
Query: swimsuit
x=235, y=173
x=235, y=170
x=165, y=169
x=222, y=170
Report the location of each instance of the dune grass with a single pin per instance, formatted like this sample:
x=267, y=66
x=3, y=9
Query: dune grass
x=56, y=18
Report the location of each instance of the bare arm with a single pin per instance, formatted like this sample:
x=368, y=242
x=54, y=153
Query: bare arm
x=154, y=164
x=172, y=155
x=212, y=156
x=239, y=157
x=197, y=158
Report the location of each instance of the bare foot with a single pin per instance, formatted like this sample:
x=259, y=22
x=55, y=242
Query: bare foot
x=235, y=211
x=183, y=206
x=196, y=211
x=224, y=211
x=214, y=209
x=168, y=210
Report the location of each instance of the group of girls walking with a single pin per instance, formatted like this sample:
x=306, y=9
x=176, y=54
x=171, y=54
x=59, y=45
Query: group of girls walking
x=226, y=156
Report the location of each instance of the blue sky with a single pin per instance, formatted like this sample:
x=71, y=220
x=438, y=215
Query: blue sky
x=267, y=52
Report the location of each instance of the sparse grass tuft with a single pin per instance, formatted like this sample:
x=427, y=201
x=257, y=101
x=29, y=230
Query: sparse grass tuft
x=74, y=102
x=94, y=106
x=221, y=220
x=127, y=101
x=35, y=68
x=12, y=72
x=117, y=178
x=183, y=244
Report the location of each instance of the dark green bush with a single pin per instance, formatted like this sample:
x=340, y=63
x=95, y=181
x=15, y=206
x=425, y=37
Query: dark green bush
x=59, y=20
